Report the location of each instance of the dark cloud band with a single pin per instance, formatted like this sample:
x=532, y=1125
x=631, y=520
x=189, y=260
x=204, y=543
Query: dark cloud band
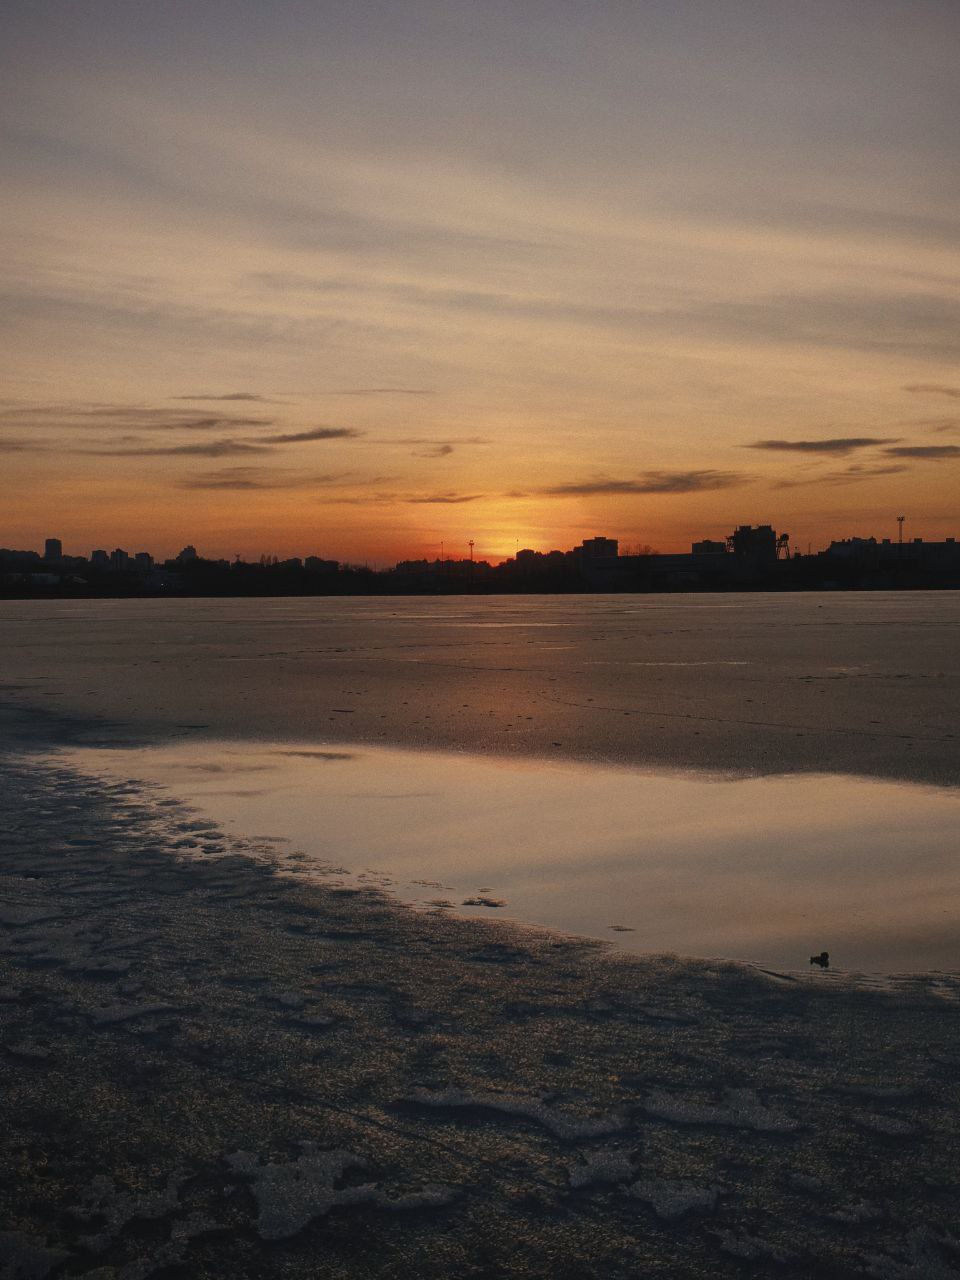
x=837, y=445
x=651, y=482
x=926, y=452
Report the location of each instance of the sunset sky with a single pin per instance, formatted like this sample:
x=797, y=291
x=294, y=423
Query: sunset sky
x=354, y=278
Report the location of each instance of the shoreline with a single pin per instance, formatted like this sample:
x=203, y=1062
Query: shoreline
x=475, y=1098
x=714, y=866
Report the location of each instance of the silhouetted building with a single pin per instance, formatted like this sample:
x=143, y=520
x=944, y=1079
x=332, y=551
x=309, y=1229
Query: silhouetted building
x=855, y=548
x=760, y=543
x=752, y=558
x=916, y=558
x=598, y=548
x=20, y=558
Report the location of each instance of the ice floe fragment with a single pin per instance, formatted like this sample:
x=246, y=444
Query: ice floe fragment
x=291, y=1195
x=602, y=1168
x=673, y=1199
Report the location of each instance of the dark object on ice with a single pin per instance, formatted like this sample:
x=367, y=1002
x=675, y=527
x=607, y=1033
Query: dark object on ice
x=823, y=959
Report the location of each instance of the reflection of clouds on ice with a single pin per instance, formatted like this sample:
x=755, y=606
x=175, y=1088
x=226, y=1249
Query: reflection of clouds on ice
x=648, y=1113
x=766, y=869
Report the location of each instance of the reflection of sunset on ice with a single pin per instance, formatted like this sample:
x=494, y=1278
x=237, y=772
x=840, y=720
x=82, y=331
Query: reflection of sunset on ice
x=703, y=865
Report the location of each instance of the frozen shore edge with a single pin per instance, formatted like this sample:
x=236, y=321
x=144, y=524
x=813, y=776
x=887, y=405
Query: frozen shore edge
x=212, y=1069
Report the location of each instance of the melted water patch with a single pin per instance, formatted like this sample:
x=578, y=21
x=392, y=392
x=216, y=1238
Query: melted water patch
x=769, y=870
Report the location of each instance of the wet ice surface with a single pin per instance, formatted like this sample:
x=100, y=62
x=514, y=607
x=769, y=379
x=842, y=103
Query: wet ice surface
x=216, y=1070
x=842, y=683
x=272, y=1077
x=768, y=869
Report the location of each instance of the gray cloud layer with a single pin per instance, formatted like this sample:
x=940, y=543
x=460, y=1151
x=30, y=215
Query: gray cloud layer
x=126, y=417
x=255, y=478
x=839, y=445
x=247, y=396
x=849, y=475
x=140, y=418
x=316, y=433
x=381, y=391
x=447, y=498
x=650, y=482
x=213, y=449
x=926, y=452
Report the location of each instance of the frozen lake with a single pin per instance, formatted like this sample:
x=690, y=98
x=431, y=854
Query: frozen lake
x=827, y=683
x=760, y=777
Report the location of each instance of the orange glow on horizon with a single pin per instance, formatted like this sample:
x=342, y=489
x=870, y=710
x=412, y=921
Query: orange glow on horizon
x=252, y=310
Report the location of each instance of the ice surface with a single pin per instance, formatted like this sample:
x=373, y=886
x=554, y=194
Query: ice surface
x=701, y=1076
x=290, y=1195
x=740, y=1108
x=671, y=1200
x=560, y=1123
x=760, y=869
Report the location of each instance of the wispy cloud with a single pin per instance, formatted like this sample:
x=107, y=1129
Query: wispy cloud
x=934, y=389
x=935, y=424
x=650, y=482
x=136, y=417
x=450, y=498
x=432, y=448
x=380, y=391
x=873, y=469
x=436, y=451
x=213, y=449
x=830, y=317
x=250, y=397
x=432, y=440
x=849, y=475
x=836, y=445
x=125, y=417
x=11, y=445
x=218, y=423
x=255, y=478
x=926, y=452
x=315, y=433
x=134, y=413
